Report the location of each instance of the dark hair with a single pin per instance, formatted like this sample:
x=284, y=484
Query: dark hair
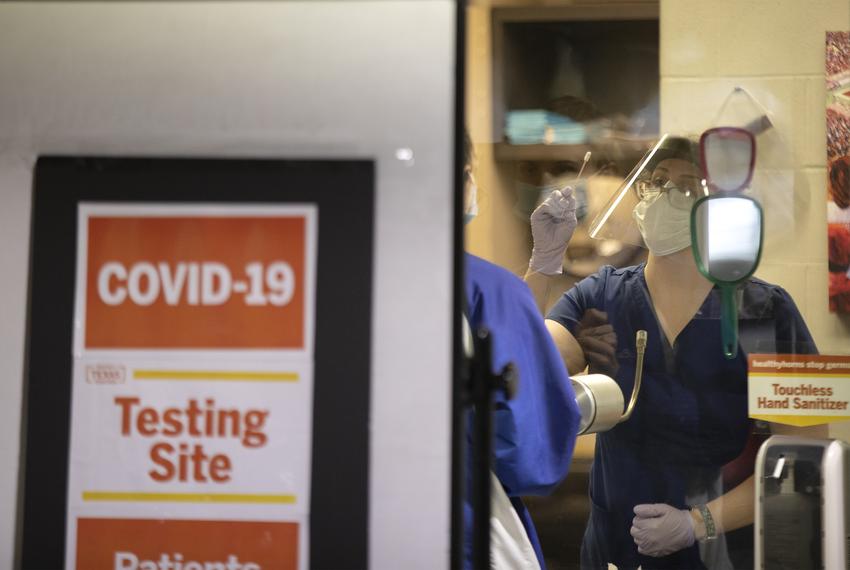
x=839, y=181
x=675, y=147
x=468, y=152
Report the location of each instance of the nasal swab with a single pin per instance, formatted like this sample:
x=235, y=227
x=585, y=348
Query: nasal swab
x=583, y=164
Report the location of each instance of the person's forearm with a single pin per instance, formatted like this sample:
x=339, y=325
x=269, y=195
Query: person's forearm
x=539, y=285
x=570, y=351
x=731, y=511
x=736, y=508
x=568, y=347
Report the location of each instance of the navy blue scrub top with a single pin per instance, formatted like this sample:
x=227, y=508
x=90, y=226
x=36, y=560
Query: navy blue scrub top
x=690, y=418
x=535, y=432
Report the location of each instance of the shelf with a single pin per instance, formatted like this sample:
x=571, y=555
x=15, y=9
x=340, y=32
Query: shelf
x=613, y=148
x=610, y=10
x=554, y=152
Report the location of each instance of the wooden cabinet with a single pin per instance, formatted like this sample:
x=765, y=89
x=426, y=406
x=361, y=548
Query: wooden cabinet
x=595, y=62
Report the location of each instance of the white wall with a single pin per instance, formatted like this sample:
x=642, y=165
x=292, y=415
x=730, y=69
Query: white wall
x=346, y=79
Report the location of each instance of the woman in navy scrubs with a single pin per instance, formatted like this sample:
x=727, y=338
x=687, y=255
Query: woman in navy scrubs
x=658, y=499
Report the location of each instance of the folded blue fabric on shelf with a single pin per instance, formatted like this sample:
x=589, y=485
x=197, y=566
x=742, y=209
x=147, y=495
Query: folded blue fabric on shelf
x=537, y=126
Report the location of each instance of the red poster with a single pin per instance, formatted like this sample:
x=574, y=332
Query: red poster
x=838, y=168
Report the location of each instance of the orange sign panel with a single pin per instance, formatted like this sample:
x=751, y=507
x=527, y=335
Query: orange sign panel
x=135, y=544
x=196, y=282
x=794, y=364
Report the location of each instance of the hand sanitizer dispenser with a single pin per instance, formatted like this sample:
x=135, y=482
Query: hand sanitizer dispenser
x=801, y=510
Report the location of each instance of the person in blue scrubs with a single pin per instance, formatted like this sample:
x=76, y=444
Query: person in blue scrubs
x=534, y=433
x=658, y=497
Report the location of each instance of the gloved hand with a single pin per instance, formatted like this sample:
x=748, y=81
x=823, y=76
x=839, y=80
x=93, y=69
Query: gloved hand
x=552, y=225
x=599, y=342
x=660, y=529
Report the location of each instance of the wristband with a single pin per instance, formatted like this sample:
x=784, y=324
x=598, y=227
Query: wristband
x=708, y=521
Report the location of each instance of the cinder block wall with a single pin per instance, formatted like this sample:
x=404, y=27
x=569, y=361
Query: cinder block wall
x=775, y=49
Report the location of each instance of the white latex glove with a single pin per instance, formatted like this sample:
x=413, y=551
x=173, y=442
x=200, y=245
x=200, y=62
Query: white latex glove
x=659, y=529
x=552, y=225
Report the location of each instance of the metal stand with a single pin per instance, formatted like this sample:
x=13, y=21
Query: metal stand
x=482, y=385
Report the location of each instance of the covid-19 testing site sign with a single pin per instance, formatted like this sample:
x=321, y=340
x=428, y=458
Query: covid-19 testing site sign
x=194, y=402
x=192, y=386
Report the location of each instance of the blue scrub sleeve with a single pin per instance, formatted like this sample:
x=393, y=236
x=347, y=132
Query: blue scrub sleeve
x=535, y=431
x=589, y=293
x=770, y=323
x=793, y=336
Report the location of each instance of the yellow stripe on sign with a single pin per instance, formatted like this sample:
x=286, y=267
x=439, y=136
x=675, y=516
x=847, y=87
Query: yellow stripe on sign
x=215, y=375
x=187, y=497
x=799, y=421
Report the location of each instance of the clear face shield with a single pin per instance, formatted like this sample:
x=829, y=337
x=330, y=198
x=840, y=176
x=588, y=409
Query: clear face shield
x=652, y=206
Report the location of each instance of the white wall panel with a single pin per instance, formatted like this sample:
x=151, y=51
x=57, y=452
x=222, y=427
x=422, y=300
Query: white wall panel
x=346, y=79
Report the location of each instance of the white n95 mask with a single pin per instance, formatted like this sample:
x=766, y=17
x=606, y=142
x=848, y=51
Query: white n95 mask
x=665, y=228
